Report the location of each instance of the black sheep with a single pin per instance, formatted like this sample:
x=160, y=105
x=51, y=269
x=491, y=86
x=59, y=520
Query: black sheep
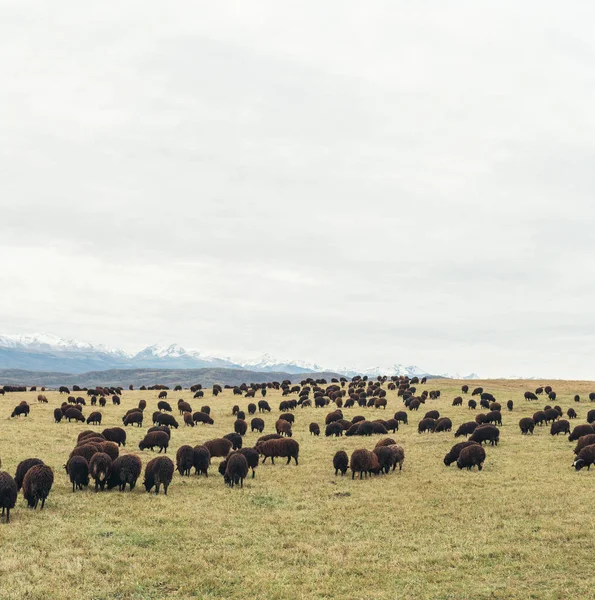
x=100, y=467
x=202, y=460
x=77, y=469
x=158, y=471
x=510, y=405
x=472, y=404
x=466, y=429
x=426, y=425
x=235, y=439
x=37, y=485
x=400, y=416
x=363, y=462
x=167, y=419
x=21, y=409
x=236, y=469
x=132, y=418
x=252, y=457
x=218, y=447
x=471, y=456
x=527, y=425
x=585, y=458
x=486, y=433
x=571, y=413
x=333, y=428
x=240, y=427
x=341, y=462
x=184, y=460
x=155, y=438
x=453, y=454
x=126, y=469
x=579, y=431
x=22, y=469
x=443, y=424
x=585, y=440
x=257, y=424
x=561, y=426
x=202, y=417
x=94, y=418
x=8, y=494
x=163, y=405
x=57, y=415
x=283, y=447
x=163, y=428
x=115, y=434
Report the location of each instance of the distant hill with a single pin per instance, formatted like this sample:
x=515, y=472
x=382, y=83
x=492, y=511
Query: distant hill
x=50, y=353
x=138, y=377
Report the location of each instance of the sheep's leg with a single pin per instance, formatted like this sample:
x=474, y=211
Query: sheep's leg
x=157, y=488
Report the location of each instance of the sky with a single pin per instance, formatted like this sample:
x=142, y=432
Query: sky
x=342, y=182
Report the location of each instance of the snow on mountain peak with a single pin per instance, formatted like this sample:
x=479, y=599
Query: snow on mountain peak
x=47, y=342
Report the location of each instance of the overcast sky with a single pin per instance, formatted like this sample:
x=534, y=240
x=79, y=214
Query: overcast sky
x=351, y=183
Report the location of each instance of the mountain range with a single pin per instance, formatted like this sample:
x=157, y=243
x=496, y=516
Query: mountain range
x=47, y=352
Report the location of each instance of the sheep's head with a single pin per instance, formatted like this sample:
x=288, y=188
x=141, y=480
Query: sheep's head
x=578, y=464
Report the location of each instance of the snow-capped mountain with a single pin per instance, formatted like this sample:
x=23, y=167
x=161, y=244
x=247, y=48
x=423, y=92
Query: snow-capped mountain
x=47, y=352
x=267, y=363
x=459, y=376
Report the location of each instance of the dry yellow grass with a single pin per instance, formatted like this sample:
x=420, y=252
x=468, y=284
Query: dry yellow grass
x=522, y=528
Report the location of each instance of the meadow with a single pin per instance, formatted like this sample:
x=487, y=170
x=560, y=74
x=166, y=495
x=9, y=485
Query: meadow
x=524, y=527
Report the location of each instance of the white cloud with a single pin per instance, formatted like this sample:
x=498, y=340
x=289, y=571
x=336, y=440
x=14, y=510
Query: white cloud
x=345, y=183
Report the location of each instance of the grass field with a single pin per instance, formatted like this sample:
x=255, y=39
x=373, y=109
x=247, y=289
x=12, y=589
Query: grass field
x=524, y=527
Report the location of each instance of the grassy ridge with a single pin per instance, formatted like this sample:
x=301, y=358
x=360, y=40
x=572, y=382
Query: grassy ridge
x=522, y=528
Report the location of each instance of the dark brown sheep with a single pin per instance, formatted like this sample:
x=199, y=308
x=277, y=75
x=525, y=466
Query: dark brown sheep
x=284, y=448
x=363, y=462
x=94, y=418
x=585, y=458
x=240, y=427
x=526, y=425
x=88, y=450
x=252, y=457
x=471, y=456
x=166, y=419
x=257, y=424
x=184, y=407
x=333, y=429
x=580, y=430
x=8, y=494
x=57, y=415
x=466, y=429
x=290, y=417
x=389, y=457
x=77, y=469
x=561, y=426
x=158, y=471
x=115, y=434
x=472, y=404
x=427, y=424
x=202, y=417
x=21, y=409
x=283, y=427
x=494, y=416
x=165, y=406
x=486, y=433
x=585, y=440
x=269, y=436
x=126, y=469
x=22, y=469
x=341, y=462
x=74, y=414
x=218, y=447
x=155, y=438
x=37, y=485
x=458, y=401
x=134, y=418
x=571, y=413
x=453, y=454
x=110, y=448
x=401, y=416
x=236, y=469
x=443, y=424
x=385, y=442
x=202, y=460
x=188, y=421
x=100, y=467
x=142, y=404
x=235, y=439
x=510, y=405
x=184, y=460
x=432, y=414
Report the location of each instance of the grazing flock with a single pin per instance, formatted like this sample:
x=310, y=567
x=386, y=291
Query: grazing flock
x=99, y=457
